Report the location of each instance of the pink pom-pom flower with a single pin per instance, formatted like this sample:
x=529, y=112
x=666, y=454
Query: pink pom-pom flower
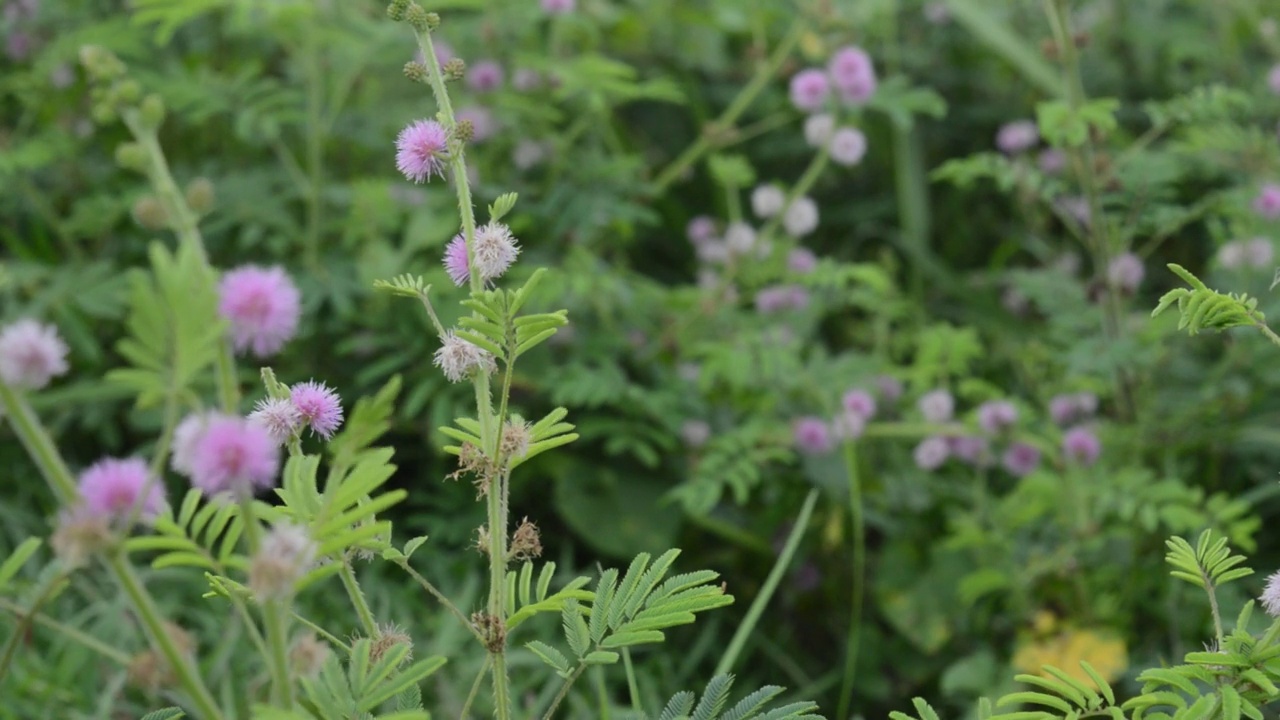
x=31, y=354
x=455, y=261
x=319, y=407
x=114, y=489
x=421, y=150
x=810, y=90
x=263, y=307
x=234, y=455
x=812, y=436
x=853, y=74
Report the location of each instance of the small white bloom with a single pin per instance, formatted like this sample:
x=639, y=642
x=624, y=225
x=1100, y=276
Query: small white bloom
x=848, y=145
x=31, y=354
x=801, y=218
x=739, y=237
x=279, y=417
x=456, y=358
x=495, y=250
x=767, y=200
x=818, y=129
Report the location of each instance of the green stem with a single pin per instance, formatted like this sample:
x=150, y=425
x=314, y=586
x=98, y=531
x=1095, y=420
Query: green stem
x=71, y=633
x=731, y=114
x=166, y=435
x=453, y=609
x=357, y=599
x=38, y=444
x=859, y=579
x=274, y=616
x=475, y=689
x=770, y=586
x=315, y=134
x=25, y=618
x=633, y=687
x=564, y=690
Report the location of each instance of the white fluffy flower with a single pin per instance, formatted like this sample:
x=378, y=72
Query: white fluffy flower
x=848, y=145
x=801, y=218
x=767, y=201
x=495, y=250
x=739, y=237
x=818, y=129
x=456, y=358
x=286, y=554
x=279, y=417
x=31, y=354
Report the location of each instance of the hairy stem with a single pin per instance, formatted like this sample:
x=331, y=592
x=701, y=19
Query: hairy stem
x=358, y=601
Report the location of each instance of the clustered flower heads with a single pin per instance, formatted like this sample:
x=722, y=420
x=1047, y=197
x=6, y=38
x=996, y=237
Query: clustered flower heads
x=310, y=404
x=485, y=76
x=457, y=358
x=495, y=251
x=421, y=150
x=1255, y=253
x=115, y=489
x=262, y=306
x=31, y=354
x=849, y=73
x=225, y=453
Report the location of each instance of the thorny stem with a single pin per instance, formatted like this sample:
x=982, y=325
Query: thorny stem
x=484, y=403
x=731, y=114
x=859, y=578
x=357, y=599
x=564, y=690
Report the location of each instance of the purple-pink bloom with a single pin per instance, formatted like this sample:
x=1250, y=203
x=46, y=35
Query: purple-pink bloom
x=1125, y=272
x=421, y=150
x=996, y=416
x=1270, y=597
x=558, y=7
x=319, y=406
x=1017, y=136
x=853, y=74
x=700, y=229
x=233, y=454
x=889, y=388
x=812, y=436
x=1081, y=445
x=1021, y=459
x=937, y=406
x=802, y=261
x=485, y=76
x=848, y=425
x=112, y=488
x=1052, y=161
x=455, y=260
x=1066, y=409
x=483, y=124
x=781, y=297
x=31, y=354
x=931, y=452
x=972, y=450
x=809, y=90
x=859, y=402
x=279, y=417
x=1267, y=202
x=262, y=306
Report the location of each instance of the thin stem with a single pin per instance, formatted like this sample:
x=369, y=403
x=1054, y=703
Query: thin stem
x=731, y=114
x=1213, y=606
x=315, y=133
x=633, y=687
x=166, y=435
x=274, y=617
x=75, y=634
x=770, y=586
x=601, y=693
x=357, y=599
x=564, y=690
x=1271, y=335
x=38, y=444
x=453, y=609
x=322, y=632
x=475, y=689
x=859, y=579
x=25, y=619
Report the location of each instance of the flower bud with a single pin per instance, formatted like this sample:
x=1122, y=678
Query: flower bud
x=100, y=63
x=397, y=9
x=127, y=92
x=455, y=69
x=516, y=436
x=433, y=20
x=415, y=71
x=131, y=156
x=150, y=214
x=103, y=113
x=152, y=111
x=388, y=637
x=200, y=195
x=464, y=131
x=417, y=18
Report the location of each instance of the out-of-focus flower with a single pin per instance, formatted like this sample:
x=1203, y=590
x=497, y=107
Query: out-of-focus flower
x=1267, y=201
x=859, y=402
x=812, y=436
x=262, y=306
x=485, y=76
x=455, y=260
x=997, y=416
x=931, y=452
x=31, y=354
x=818, y=129
x=1017, y=136
x=848, y=146
x=700, y=229
x=113, y=488
x=972, y=450
x=1080, y=445
x=558, y=7
x=739, y=238
x=853, y=74
x=810, y=90
x=802, y=260
x=234, y=455
x=286, y=554
x=1020, y=459
x=767, y=200
x=801, y=218
x=1125, y=272
x=483, y=124
x=695, y=433
x=937, y=406
x=1051, y=161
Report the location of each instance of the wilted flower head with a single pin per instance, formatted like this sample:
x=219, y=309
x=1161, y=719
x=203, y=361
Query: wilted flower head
x=695, y=433
x=1125, y=272
x=931, y=452
x=802, y=260
x=818, y=129
x=700, y=229
x=1270, y=597
x=937, y=406
x=853, y=74
x=455, y=260
x=286, y=554
x=485, y=76
x=495, y=250
x=457, y=358
x=1020, y=459
x=1267, y=202
x=812, y=436
x=233, y=454
x=558, y=7
x=767, y=200
x=421, y=150
x=79, y=534
x=31, y=354
x=319, y=407
x=1017, y=136
x=848, y=145
x=112, y=488
x=810, y=90
x=859, y=402
x=307, y=655
x=262, y=306
x=801, y=218
x=996, y=416
x=278, y=417
x=483, y=124
x=517, y=435
x=1081, y=445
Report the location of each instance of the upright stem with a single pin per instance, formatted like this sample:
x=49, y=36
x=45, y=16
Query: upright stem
x=564, y=690
x=38, y=444
x=357, y=599
x=859, y=579
x=315, y=169
x=274, y=616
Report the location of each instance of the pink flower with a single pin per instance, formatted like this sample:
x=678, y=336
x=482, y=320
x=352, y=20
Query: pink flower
x=558, y=7
x=1267, y=203
x=278, y=417
x=1125, y=272
x=495, y=250
x=889, y=388
x=809, y=90
x=937, y=406
x=860, y=403
x=802, y=261
x=1017, y=136
x=31, y=354
x=996, y=416
x=1081, y=445
x=421, y=150
x=111, y=488
x=1270, y=597
x=263, y=307
x=1066, y=409
x=931, y=452
x=848, y=146
x=812, y=436
x=853, y=74
x=781, y=297
x=455, y=260
x=319, y=406
x=700, y=229
x=485, y=76
x=1051, y=161
x=185, y=437
x=1021, y=459
x=233, y=454
x=971, y=449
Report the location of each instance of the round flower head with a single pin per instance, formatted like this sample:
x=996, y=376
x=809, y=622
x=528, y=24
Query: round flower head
x=483, y=124
x=1259, y=252
x=1273, y=79
x=1232, y=255
x=1267, y=202
x=1081, y=445
x=1020, y=459
x=848, y=425
x=812, y=436
x=767, y=200
x=853, y=74
x=818, y=129
x=421, y=150
x=234, y=455
x=1051, y=161
x=185, y=437
x=455, y=261
x=485, y=76
x=31, y=354
x=1125, y=272
x=695, y=433
x=848, y=145
x=457, y=358
x=937, y=406
x=801, y=218
x=931, y=452
x=263, y=307
x=319, y=407
x=1076, y=208
x=772, y=299
x=810, y=90
x=278, y=417
x=996, y=416
x=739, y=237
x=286, y=554
x=1270, y=597
x=1017, y=136
x=860, y=403
x=971, y=449
x=713, y=251
x=495, y=250
x=558, y=7
x=112, y=488
x=889, y=388
x=802, y=261
x=700, y=229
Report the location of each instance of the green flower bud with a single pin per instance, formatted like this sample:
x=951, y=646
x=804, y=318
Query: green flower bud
x=131, y=156
x=200, y=195
x=417, y=18
x=415, y=71
x=455, y=69
x=100, y=63
x=152, y=111
x=150, y=214
x=127, y=92
x=397, y=9
x=433, y=20
x=464, y=131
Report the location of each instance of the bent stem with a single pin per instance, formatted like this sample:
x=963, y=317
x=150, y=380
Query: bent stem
x=859, y=579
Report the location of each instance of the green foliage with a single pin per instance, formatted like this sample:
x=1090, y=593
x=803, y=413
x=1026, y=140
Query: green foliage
x=711, y=705
x=1200, y=308
x=1208, y=565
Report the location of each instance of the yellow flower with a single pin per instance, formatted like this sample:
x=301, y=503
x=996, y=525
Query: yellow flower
x=1064, y=651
